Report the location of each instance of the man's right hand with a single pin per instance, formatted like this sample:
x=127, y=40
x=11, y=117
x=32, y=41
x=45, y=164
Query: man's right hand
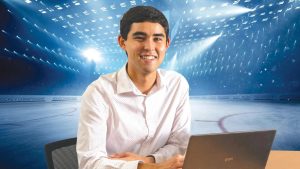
x=175, y=162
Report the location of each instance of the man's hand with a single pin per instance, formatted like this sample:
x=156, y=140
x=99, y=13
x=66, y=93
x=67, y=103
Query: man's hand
x=175, y=162
x=128, y=156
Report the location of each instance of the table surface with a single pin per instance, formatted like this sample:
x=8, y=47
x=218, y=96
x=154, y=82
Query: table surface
x=283, y=160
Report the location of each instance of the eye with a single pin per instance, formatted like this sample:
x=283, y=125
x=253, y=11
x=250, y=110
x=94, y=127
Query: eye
x=158, y=39
x=139, y=38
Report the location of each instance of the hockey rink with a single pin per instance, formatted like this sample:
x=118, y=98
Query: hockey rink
x=25, y=127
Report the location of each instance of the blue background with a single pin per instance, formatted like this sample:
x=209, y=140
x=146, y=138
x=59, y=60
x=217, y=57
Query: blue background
x=232, y=50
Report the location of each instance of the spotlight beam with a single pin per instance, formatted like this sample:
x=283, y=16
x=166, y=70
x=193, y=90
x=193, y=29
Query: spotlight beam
x=200, y=47
x=224, y=11
x=173, y=64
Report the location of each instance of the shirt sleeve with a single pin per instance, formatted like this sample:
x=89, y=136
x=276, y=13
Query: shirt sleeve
x=91, y=136
x=179, y=137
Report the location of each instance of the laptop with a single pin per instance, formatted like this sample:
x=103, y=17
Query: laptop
x=238, y=150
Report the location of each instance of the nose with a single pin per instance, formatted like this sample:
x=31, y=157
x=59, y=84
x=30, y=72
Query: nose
x=149, y=45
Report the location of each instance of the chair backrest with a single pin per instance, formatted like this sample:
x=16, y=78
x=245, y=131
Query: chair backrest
x=62, y=154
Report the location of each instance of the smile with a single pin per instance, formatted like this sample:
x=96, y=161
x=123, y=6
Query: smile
x=148, y=57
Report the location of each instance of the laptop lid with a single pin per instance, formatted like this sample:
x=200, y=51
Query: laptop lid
x=239, y=150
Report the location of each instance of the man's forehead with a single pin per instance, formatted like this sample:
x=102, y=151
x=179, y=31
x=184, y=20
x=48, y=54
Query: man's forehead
x=146, y=28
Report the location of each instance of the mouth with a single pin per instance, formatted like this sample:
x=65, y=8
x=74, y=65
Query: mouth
x=148, y=57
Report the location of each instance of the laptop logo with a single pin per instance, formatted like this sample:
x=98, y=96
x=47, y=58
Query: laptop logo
x=228, y=159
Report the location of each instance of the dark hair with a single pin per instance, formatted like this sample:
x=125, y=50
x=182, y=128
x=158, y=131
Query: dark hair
x=142, y=14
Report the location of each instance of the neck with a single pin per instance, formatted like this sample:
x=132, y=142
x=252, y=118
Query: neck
x=144, y=82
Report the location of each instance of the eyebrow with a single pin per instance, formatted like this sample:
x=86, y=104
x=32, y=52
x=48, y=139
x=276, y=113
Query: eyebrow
x=139, y=33
x=159, y=34
x=144, y=34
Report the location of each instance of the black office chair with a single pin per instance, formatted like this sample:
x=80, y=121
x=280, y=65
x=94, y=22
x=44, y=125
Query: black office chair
x=62, y=154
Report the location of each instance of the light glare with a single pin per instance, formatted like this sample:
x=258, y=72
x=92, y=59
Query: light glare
x=200, y=47
x=92, y=55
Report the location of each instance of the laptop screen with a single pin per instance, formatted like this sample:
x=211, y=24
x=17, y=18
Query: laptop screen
x=238, y=150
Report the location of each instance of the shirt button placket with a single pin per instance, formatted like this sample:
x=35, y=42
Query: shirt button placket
x=146, y=117
x=149, y=116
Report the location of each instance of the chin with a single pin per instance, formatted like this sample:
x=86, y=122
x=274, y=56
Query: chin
x=148, y=71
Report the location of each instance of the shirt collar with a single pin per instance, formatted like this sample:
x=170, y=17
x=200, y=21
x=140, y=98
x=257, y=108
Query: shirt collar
x=124, y=83
x=160, y=79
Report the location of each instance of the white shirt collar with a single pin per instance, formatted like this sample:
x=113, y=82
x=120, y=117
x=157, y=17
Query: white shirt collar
x=125, y=84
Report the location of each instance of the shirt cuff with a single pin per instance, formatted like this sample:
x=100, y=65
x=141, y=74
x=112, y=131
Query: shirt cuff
x=152, y=157
x=131, y=164
x=158, y=158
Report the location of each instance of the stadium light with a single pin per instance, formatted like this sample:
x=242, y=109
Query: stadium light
x=220, y=11
x=92, y=55
x=234, y=10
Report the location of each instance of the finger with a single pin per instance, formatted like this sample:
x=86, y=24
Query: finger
x=117, y=155
x=178, y=161
x=130, y=154
x=179, y=164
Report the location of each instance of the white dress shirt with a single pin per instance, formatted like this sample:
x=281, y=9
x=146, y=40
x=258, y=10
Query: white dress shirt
x=116, y=117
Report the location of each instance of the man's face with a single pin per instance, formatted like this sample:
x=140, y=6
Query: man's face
x=146, y=46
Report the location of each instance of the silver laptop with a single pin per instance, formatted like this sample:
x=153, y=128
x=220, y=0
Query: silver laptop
x=239, y=150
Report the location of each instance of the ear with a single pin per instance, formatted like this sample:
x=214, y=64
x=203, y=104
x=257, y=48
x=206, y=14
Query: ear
x=121, y=42
x=168, y=42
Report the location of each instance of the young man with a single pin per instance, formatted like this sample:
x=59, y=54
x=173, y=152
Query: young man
x=138, y=117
